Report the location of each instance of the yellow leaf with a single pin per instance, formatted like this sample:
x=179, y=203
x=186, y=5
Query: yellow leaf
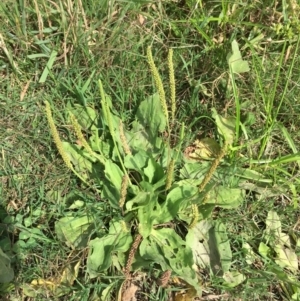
x=69, y=274
x=184, y=295
x=59, y=286
x=42, y=282
x=187, y=295
x=204, y=149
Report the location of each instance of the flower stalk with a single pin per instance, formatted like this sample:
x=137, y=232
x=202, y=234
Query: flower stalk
x=172, y=85
x=158, y=84
x=58, y=142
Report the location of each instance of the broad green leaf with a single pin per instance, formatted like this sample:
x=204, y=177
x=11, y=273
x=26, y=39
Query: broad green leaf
x=150, y=122
x=20, y=248
x=6, y=272
x=235, y=61
x=153, y=171
x=140, y=199
x=197, y=239
x=253, y=175
x=201, y=254
x=273, y=228
x=281, y=274
x=226, y=197
x=177, y=199
x=114, y=174
x=117, y=123
x=100, y=146
x=151, y=116
x=273, y=223
x=137, y=161
x=107, y=100
x=284, y=240
x=221, y=240
x=146, y=186
x=249, y=253
x=140, y=140
x=185, y=212
x=111, y=193
x=264, y=191
x=34, y=233
x=77, y=204
x=112, y=184
x=286, y=258
x=113, y=124
x=5, y=241
x=296, y=296
x=150, y=251
x=119, y=260
x=134, y=189
x=164, y=155
x=205, y=211
x=87, y=117
x=78, y=158
x=213, y=241
x=264, y=250
x=161, y=183
x=233, y=278
x=148, y=214
x=74, y=231
x=99, y=258
x=177, y=255
x=189, y=182
x=27, y=222
x=226, y=126
x=194, y=170
x=24, y=235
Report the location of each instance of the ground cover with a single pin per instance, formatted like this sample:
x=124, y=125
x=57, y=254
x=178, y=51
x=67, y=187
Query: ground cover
x=149, y=150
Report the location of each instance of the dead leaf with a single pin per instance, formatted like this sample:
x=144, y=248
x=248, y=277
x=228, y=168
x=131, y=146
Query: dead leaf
x=70, y=273
x=141, y=20
x=24, y=90
x=164, y=278
x=216, y=297
x=129, y=292
x=187, y=295
x=45, y=283
x=59, y=285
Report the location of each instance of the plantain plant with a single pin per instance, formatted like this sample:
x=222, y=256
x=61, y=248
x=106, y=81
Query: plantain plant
x=162, y=196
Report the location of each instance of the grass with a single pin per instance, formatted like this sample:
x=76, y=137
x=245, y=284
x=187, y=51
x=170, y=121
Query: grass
x=58, y=52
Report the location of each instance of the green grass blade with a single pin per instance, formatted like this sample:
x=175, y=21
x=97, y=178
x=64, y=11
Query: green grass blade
x=48, y=67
